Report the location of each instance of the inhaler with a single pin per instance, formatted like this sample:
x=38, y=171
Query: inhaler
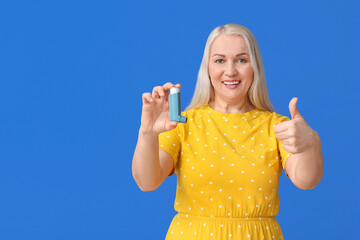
x=175, y=106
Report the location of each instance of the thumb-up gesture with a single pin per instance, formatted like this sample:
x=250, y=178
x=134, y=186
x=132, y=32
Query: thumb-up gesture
x=296, y=135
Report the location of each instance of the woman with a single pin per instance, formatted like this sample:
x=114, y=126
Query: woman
x=230, y=153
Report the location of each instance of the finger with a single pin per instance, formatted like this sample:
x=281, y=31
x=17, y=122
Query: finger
x=147, y=98
x=169, y=85
x=163, y=91
x=283, y=126
x=172, y=125
x=283, y=135
x=288, y=142
x=156, y=93
x=289, y=148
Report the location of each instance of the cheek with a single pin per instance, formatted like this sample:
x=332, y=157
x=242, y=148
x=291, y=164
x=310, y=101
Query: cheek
x=248, y=72
x=214, y=72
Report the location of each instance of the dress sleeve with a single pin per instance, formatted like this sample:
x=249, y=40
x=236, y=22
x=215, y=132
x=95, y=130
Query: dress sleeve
x=284, y=155
x=170, y=142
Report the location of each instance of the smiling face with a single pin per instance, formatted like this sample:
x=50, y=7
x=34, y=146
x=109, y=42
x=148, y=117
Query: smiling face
x=229, y=61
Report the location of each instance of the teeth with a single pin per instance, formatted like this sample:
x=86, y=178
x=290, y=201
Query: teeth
x=231, y=83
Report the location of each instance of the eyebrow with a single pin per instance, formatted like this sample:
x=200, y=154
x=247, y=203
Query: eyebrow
x=221, y=55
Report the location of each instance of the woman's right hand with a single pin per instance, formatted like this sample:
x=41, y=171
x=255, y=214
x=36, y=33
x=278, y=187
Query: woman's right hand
x=155, y=117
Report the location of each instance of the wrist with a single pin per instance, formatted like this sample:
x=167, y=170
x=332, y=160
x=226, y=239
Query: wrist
x=314, y=143
x=147, y=132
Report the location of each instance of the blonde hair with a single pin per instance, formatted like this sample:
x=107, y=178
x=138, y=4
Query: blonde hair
x=257, y=93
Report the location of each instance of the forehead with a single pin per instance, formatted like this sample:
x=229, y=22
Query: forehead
x=228, y=44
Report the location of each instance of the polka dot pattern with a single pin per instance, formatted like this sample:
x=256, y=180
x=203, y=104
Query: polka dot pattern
x=228, y=168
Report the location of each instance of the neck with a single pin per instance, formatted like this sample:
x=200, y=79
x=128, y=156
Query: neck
x=231, y=107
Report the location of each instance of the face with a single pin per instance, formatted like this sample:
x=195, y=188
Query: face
x=229, y=61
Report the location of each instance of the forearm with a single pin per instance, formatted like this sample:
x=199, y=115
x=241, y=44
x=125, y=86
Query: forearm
x=309, y=168
x=146, y=165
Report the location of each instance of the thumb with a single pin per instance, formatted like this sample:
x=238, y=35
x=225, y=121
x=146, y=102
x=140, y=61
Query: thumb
x=293, y=109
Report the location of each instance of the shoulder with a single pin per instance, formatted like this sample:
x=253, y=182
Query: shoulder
x=278, y=118
x=195, y=112
x=273, y=117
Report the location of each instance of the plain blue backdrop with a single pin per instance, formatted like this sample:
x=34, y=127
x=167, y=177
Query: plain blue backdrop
x=72, y=74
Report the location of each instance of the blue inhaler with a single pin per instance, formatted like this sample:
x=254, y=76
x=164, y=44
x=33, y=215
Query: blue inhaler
x=175, y=106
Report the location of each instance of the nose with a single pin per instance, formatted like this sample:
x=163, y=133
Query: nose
x=230, y=69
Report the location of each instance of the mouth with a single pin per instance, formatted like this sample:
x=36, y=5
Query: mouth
x=231, y=84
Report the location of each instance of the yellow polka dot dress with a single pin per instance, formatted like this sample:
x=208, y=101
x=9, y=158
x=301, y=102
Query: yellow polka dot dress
x=228, y=168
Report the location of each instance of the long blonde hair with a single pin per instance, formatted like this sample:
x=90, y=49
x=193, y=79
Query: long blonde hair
x=257, y=93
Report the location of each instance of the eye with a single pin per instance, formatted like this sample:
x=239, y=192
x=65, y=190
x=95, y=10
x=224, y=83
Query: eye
x=219, y=60
x=242, y=60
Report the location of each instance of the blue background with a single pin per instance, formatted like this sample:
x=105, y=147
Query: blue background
x=72, y=74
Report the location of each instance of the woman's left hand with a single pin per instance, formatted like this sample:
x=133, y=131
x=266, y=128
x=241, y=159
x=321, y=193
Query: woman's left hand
x=296, y=135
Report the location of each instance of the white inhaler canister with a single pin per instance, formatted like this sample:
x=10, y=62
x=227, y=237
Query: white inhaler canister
x=175, y=106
